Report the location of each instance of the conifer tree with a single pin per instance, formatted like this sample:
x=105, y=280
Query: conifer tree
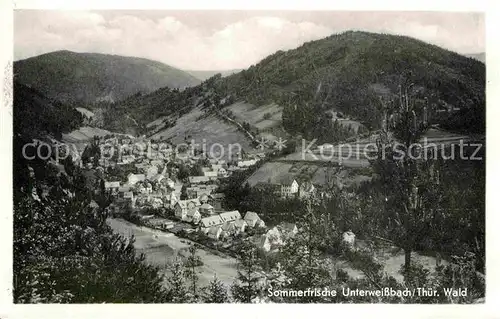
x=216, y=292
x=246, y=287
x=177, y=283
x=407, y=171
x=191, y=272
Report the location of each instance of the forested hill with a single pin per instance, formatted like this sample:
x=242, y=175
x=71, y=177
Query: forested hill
x=63, y=250
x=351, y=70
x=36, y=116
x=357, y=73
x=82, y=78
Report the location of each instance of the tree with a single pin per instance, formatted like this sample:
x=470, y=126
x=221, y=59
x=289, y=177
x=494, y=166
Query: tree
x=406, y=172
x=184, y=192
x=276, y=280
x=177, y=283
x=246, y=287
x=216, y=292
x=192, y=262
x=302, y=260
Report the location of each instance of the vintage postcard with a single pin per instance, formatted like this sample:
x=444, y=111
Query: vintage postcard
x=248, y=156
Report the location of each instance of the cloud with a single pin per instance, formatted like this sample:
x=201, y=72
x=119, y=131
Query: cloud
x=238, y=43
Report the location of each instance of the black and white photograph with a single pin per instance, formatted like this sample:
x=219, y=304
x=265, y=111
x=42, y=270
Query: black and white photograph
x=248, y=156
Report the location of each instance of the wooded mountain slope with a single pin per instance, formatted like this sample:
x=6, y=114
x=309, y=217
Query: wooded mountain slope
x=89, y=77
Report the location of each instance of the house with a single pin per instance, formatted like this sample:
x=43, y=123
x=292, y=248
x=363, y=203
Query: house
x=126, y=159
x=271, y=240
x=214, y=232
x=112, y=186
x=193, y=216
x=207, y=222
x=210, y=187
x=288, y=186
x=183, y=207
x=151, y=171
x=230, y=216
x=240, y=226
x=264, y=243
x=192, y=192
x=285, y=186
x=128, y=195
x=210, y=174
x=157, y=162
x=253, y=220
x=124, y=189
x=203, y=196
x=198, y=179
x=134, y=178
x=215, y=167
x=216, y=200
x=275, y=237
x=206, y=209
x=349, y=238
x=228, y=229
x=177, y=189
x=205, y=169
x=247, y=163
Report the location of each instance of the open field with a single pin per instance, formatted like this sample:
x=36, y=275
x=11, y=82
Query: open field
x=161, y=249
x=84, y=134
x=200, y=127
x=304, y=171
x=348, y=155
x=392, y=263
x=270, y=127
x=255, y=114
x=269, y=171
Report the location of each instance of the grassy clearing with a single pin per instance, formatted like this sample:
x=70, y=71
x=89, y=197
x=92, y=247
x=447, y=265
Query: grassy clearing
x=161, y=249
x=84, y=134
x=198, y=126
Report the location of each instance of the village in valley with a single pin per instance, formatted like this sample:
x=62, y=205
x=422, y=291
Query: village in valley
x=352, y=161
x=151, y=190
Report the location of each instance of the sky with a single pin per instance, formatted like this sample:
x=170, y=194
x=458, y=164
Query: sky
x=224, y=40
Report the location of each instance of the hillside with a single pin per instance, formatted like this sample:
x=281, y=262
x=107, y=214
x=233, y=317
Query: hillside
x=349, y=73
x=36, y=116
x=89, y=77
x=478, y=56
x=204, y=75
x=62, y=245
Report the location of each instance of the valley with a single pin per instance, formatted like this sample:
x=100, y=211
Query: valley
x=306, y=169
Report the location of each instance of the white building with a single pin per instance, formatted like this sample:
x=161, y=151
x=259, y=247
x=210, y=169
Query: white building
x=253, y=220
x=134, y=178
